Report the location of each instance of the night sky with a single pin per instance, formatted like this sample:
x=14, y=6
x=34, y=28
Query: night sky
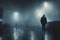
x=27, y=10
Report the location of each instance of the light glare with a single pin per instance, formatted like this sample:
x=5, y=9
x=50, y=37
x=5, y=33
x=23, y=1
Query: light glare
x=46, y=5
x=46, y=37
x=17, y=33
x=0, y=19
x=32, y=35
x=0, y=38
x=16, y=16
x=45, y=9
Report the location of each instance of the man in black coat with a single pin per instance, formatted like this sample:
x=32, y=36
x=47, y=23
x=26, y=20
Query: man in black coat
x=43, y=22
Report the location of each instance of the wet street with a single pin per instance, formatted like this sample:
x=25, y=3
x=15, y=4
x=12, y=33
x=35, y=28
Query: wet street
x=26, y=32
x=30, y=33
x=25, y=19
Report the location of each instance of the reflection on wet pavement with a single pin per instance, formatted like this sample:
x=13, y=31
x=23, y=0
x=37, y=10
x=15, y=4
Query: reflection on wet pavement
x=35, y=34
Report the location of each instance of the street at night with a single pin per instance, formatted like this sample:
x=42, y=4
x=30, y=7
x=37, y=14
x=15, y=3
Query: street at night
x=29, y=20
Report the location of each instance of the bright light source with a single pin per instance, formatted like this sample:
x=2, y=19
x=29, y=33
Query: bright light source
x=46, y=5
x=0, y=19
x=16, y=16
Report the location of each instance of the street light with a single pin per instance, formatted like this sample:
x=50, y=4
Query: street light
x=0, y=19
x=46, y=5
x=16, y=16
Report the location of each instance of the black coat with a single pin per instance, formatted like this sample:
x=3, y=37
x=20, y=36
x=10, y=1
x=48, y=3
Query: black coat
x=43, y=20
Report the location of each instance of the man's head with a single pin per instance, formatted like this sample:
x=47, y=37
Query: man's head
x=43, y=15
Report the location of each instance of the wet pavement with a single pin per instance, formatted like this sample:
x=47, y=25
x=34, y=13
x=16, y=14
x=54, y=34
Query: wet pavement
x=34, y=33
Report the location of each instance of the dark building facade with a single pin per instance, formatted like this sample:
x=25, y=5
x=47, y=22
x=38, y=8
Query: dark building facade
x=7, y=35
x=1, y=15
x=1, y=28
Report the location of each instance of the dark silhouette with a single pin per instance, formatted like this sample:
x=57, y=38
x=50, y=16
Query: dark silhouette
x=43, y=22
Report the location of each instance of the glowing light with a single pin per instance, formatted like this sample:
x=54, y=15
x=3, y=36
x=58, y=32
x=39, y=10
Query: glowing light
x=17, y=33
x=0, y=19
x=32, y=35
x=16, y=16
x=46, y=5
x=48, y=20
x=45, y=9
x=46, y=36
x=0, y=38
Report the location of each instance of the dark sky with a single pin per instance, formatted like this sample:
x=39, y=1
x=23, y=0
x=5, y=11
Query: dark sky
x=27, y=10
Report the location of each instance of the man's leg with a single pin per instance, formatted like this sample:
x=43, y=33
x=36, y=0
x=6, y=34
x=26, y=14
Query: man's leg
x=43, y=32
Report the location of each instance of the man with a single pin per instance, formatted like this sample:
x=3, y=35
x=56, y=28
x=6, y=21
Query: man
x=43, y=22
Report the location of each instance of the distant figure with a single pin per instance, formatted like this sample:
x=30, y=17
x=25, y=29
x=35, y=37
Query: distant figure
x=43, y=22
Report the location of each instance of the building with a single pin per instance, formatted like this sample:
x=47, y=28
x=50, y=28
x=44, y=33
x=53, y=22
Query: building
x=1, y=28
